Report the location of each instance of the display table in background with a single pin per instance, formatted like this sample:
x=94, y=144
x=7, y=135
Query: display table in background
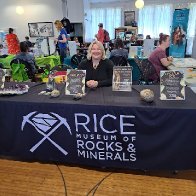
x=103, y=129
x=188, y=65
x=49, y=60
x=6, y=61
x=40, y=61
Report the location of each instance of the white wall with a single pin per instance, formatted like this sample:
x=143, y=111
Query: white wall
x=35, y=11
x=75, y=10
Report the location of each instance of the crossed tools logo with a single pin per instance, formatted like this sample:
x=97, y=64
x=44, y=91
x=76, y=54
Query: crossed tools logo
x=46, y=125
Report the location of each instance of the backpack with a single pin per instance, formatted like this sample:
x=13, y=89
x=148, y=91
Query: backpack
x=106, y=36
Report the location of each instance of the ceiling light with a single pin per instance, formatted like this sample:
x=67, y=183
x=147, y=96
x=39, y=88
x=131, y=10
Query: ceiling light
x=139, y=4
x=19, y=10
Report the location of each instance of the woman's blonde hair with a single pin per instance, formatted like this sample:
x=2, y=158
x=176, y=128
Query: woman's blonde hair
x=58, y=24
x=100, y=45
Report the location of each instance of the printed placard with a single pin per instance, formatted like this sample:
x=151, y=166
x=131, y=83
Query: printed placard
x=2, y=78
x=122, y=78
x=75, y=82
x=60, y=77
x=172, y=85
x=50, y=84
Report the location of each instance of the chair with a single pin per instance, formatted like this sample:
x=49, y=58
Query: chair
x=147, y=71
x=77, y=58
x=27, y=68
x=119, y=60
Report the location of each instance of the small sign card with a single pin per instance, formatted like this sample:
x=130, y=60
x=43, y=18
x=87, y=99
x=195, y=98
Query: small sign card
x=75, y=82
x=50, y=84
x=122, y=78
x=2, y=78
x=60, y=77
x=172, y=85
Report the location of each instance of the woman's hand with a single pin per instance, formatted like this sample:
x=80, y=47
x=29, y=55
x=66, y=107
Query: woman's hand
x=92, y=83
x=170, y=58
x=55, y=40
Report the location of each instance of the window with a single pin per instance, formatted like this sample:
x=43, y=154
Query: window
x=191, y=28
x=110, y=17
x=155, y=19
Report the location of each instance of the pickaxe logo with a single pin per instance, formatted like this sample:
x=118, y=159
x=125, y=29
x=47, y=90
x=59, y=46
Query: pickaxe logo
x=44, y=124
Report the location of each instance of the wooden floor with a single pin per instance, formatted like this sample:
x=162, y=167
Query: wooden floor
x=22, y=178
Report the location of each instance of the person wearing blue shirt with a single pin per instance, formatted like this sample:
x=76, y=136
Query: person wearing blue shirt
x=62, y=40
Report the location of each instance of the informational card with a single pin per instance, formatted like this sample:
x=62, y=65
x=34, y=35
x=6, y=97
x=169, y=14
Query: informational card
x=132, y=51
x=50, y=84
x=172, y=85
x=60, y=77
x=122, y=78
x=2, y=78
x=75, y=82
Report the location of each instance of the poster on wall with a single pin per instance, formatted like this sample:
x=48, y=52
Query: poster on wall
x=179, y=33
x=41, y=29
x=129, y=18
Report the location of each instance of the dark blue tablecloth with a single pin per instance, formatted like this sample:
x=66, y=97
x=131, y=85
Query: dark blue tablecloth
x=103, y=129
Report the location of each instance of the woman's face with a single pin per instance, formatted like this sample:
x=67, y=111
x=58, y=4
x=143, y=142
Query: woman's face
x=167, y=42
x=176, y=37
x=58, y=26
x=96, y=52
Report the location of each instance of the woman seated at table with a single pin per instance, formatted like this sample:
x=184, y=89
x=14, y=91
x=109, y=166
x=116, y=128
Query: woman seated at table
x=99, y=70
x=119, y=49
x=158, y=57
x=26, y=56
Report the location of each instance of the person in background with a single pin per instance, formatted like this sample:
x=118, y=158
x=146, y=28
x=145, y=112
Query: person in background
x=77, y=42
x=26, y=56
x=148, y=37
x=29, y=44
x=62, y=40
x=133, y=38
x=99, y=70
x=119, y=49
x=158, y=57
x=3, y=51
x=12, y=42
x=100, y=34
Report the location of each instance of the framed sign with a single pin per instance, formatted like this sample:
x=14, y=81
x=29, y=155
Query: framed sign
x=41, y=29
x=75, y=82
x=172, y=85
x=129, y=17
x=122, y=78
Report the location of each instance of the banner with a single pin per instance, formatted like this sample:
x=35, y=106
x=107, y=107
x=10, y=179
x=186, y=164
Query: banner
x=103, y=129
x=179, y=32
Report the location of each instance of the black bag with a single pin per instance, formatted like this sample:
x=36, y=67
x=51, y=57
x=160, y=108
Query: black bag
x=106, y=36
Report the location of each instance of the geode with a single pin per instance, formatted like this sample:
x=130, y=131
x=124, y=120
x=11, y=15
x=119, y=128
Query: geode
x=147, y=95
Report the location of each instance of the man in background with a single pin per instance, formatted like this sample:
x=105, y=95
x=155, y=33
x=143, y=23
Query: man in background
x=100, y=34
x=29, y=44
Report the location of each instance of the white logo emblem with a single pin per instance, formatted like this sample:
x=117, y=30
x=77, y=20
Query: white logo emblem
x=43, y=123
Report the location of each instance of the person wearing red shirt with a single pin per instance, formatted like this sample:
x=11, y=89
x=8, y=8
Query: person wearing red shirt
x=12, y=42
x=100, y=34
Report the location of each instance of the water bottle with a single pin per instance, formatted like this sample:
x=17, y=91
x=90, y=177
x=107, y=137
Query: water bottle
x=108, y=53
x=139, y=51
